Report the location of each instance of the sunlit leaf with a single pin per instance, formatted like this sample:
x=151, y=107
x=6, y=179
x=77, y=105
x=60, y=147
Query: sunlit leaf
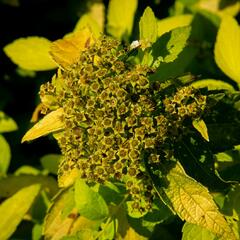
x=168, y=24
x=148, y=27
x=89, y=203
x=52, y=122
x=227, y=48
x=120, y=18
x=26, y=169
x=213, y=84
x=177, y=42
x=14, y=208
x=5, y=155
x=201, y=127
x=67, y=51
x=87, y=21
x=7, y=124
x=191, y=231
x=31, y=53
x=94, y=19
x=193, y=203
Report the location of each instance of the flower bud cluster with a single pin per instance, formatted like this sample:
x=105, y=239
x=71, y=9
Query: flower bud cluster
x=114, y=118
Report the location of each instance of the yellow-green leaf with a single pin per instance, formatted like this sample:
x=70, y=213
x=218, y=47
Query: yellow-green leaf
x=201, y=127
x=7, y=124
x=52, y=122
x=121, y=17
x=227, y=48
x=14, y=208
x=193, y=203
x=87, y=21
x=62, y=218
x=148, y=27
x=168, y=24
x=213, y=84
x=11, y=184
x=5, y=155
x=193, y=231
x=31, y=53
x=94, y=19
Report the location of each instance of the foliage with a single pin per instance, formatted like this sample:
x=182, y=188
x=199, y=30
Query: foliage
x=147, y=132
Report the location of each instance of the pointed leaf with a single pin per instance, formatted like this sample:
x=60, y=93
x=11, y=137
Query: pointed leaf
x=94, y=19
x=227, y=48
x=148, y=27
x=7, y=124
x=170, y=23
x=192, y=231
x=121, y=17
x=52, y=122
x=201, y=127
x=90, y=204
x=14, y=208
x=5, y=155
x=31, y=53
x=87, y=21
x=193, y=203
x=213, y=84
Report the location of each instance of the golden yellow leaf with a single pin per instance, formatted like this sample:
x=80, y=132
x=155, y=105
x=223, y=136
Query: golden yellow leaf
x=227, y=48
x=52, y=122
x=31, y=53
x=68, y=178
x=67, y=51
x=201, y=127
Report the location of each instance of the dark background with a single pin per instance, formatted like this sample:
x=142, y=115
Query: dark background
x=19, y=95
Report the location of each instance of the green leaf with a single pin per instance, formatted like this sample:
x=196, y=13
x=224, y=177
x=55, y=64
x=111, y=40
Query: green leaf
x=167, y=24
x=192, y=231
x=5, y=155
x=201, y=127
x=7, y=124
x=31, y=53
x=11, y=184
x=227, y=48
x=52, y=122
x=176, y=43
x=213, y=84
x=50, y=162
x=148, y=27
x=14, y=208
x=37, y=232
x=90, y=204
x=120, y=18
x=193, y=203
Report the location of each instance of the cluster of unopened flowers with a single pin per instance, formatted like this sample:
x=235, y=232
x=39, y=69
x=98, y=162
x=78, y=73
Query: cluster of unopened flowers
x=115, y=119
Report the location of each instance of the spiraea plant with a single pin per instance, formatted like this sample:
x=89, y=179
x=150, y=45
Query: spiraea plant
x=140, y=138
x=116, y=120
